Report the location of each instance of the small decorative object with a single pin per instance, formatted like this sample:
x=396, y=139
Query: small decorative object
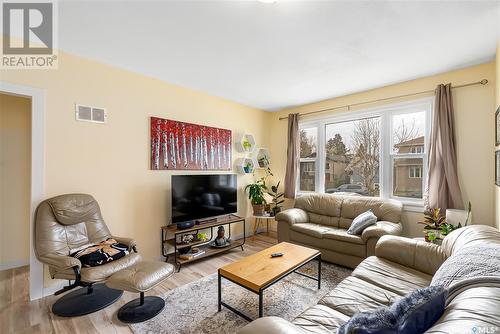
x=433, y=222
x=179, y=145
x=277, y=201
x=497, y=127
x=256, y=196
x=184, y=250
x=263, y=161
x=246, y=145
x=220, y=240
x=497, y=168
x=248, y=167
x=187, y=238
x=202, y=236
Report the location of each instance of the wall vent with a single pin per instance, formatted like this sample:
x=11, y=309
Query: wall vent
x=90, y=114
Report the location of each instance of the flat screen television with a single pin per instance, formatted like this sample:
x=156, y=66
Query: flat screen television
x=195, y=197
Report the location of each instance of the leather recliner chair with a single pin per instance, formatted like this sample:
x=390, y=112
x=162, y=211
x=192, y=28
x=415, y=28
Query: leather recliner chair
x=64, y=223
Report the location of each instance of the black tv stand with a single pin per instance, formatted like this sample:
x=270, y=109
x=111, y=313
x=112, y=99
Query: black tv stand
x=170, y=233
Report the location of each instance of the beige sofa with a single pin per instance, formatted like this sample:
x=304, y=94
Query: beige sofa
x=400, y=266
x=321, y=221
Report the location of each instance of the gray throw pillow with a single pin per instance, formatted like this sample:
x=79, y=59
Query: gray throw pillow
x=361, y=222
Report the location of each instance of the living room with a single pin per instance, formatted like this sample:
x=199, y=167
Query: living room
x=207, y=136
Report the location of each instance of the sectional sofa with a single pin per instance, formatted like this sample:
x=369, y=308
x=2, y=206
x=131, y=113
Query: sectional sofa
x=401, y=265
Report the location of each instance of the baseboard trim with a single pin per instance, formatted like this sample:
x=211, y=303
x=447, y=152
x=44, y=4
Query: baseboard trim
x=14, y=264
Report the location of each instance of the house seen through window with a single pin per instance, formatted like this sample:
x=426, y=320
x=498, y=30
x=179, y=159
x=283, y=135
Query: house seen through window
x=379, y=153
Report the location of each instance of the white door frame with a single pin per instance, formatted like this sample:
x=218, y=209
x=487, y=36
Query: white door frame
x=37, y=97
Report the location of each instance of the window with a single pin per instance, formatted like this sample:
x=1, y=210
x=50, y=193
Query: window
x=417, y=149
x=379, y=152
x=415, y=172
x=352, y=151
x=408, y=153
x=308, y=156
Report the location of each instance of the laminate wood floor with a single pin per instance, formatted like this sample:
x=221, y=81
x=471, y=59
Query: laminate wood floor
x=19, y=315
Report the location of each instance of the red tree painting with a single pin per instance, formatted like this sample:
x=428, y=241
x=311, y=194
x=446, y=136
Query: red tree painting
x=179, y=145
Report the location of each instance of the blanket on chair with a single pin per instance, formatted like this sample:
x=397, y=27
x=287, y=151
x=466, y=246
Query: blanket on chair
x=92, y=255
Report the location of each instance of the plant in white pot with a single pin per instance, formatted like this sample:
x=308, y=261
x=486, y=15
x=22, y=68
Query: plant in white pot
x=256, y=196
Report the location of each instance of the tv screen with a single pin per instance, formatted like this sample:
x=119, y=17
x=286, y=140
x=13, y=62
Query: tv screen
x=195, y=197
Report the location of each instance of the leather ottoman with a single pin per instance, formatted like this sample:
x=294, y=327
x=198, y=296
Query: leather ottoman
x=140, y=278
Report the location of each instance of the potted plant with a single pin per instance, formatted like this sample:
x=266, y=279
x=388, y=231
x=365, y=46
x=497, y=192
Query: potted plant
x=248, y=167
x=256, y=196
x=433, y=222
x=277, y=201
x=246, y=145
x=447, y=228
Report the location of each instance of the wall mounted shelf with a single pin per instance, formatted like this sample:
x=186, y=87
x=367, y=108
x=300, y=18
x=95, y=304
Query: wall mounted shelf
x=246, y=143
x=261, y=156
x=242, y=163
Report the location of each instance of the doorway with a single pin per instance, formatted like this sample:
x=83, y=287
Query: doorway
x=35, y=176
x=15, y=193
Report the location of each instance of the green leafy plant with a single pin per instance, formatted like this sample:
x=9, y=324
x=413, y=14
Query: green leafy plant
x=278, y=198
x=447, y=228
x=256, y=192
x=433, y=219
x=431, y=235
x=202, y=236
x=246, y=144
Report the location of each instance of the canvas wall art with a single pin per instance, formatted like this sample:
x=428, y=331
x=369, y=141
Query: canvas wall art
x=179, y=145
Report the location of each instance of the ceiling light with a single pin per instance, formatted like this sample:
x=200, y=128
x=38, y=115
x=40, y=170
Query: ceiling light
x=267, y=1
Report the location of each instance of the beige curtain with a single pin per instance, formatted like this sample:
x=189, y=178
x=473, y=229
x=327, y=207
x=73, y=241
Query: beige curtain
x=443, y=187
x=293, y=151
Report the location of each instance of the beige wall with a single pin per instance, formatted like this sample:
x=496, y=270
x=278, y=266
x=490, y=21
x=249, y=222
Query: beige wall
x=474, y=130
x=15, y=174
x=111, y=161
x=497, y=189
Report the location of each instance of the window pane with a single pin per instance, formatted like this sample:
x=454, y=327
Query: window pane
x=308, y=142
x=408, y=132
x=407, y=181
x=307, y=176
x=353, y=157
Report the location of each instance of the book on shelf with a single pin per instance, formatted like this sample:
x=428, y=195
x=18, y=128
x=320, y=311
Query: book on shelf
x=190, y=255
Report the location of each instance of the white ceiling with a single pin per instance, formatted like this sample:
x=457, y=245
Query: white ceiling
x=273, y=56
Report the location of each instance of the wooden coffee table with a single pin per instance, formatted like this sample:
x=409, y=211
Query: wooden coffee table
x=259, y=271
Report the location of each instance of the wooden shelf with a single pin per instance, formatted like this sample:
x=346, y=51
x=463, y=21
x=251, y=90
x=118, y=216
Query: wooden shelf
x=209, y=251
x=170, y=233
x=172, y=229
x=180, y=246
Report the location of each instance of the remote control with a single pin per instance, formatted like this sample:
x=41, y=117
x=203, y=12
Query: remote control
x=276, y=254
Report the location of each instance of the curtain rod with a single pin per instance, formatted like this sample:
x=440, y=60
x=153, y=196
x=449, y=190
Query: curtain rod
x=348, y=106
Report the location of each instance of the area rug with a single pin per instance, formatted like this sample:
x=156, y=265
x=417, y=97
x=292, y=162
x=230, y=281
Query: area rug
x=192, y=308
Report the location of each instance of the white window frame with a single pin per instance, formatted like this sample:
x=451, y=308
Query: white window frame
x=415, y=169
x=417, y=150
x=387, y=155
x=315, y=160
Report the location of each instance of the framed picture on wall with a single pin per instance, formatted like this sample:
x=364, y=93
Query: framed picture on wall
x=497, y=127
x=497, y=168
